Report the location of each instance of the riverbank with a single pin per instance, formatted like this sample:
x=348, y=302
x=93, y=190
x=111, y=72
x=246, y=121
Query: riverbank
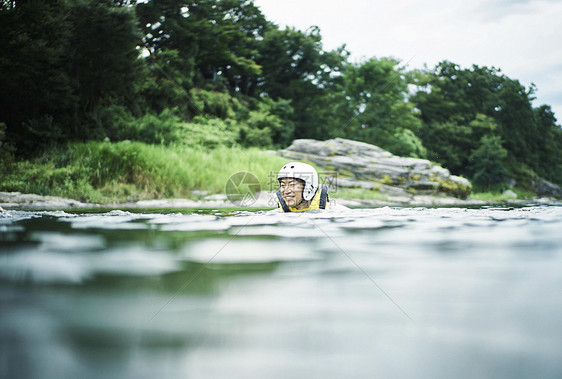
x=137, y=175
x=19, y=201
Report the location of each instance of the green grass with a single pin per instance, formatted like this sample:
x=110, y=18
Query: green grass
x=358, y=194
x=498, y=197
x=104, y=172
x=489, y=197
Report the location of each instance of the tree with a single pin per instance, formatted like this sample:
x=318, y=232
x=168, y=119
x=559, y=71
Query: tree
x=229, y=49
x=514, y=114
x=103, y=58
x=376, y=92
x=486, y=163
x=451, y=142
x=549, y=142
x=295, y=67
x=450, y=101
x=214, y=42
x=449, y=93
x=60, y=61
x=35, y=86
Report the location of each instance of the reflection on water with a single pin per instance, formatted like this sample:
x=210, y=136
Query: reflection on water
x=409, y=292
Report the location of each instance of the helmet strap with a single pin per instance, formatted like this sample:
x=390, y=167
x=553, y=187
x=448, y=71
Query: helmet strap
x=302, y=201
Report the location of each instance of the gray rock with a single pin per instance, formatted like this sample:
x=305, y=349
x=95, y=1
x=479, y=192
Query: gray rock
x=18, y=200
x=545, y=188
x=361, y=165
x=509, y=193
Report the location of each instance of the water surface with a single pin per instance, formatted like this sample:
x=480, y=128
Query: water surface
x=387, y=292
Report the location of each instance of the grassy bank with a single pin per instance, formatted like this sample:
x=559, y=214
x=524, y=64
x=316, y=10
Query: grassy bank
x=104, y=172
x=499, y=197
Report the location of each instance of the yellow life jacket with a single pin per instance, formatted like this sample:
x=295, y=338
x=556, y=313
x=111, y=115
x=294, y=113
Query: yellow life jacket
x=319, y=201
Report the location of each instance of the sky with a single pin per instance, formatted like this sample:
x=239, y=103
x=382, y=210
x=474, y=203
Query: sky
x=523, y=38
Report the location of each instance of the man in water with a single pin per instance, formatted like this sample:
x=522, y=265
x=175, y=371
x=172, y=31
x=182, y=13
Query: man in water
x=299, y=189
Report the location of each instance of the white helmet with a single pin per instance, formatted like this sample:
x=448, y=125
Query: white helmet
x=304, y=172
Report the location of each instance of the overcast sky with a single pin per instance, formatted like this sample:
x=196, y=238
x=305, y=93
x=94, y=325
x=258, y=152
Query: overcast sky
x=521, y=37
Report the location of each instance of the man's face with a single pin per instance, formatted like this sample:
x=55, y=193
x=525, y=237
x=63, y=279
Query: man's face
x=291, y=191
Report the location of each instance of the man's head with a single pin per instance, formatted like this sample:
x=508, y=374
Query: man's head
x=298, y=183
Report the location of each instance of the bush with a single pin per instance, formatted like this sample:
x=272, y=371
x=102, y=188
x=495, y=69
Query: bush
x=152, y=129
x=208, y=133
x=406, y=144
x=214, y=104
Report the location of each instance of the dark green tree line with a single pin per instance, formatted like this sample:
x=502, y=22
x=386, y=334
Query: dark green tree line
x=61, y=60
x=178, y=71
x=477, y=112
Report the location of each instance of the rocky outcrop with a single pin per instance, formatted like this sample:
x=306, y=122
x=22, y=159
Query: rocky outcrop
x=545, y=188
x=354, y=164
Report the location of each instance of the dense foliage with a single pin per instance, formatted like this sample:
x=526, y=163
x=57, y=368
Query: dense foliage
x=218, y=73
x=480, y=123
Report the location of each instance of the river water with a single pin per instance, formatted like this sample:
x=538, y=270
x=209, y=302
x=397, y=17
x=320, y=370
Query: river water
x=386, y=292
